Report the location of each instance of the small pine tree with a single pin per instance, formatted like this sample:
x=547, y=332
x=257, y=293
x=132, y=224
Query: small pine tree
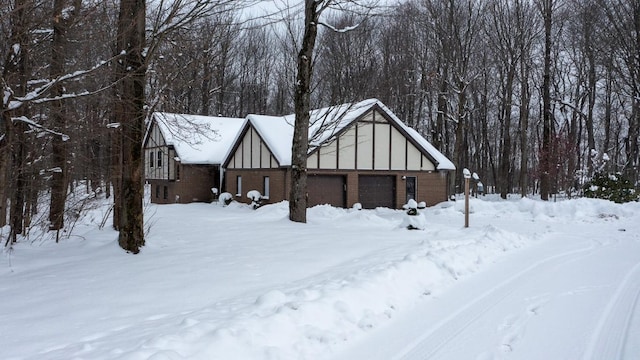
x=612, y=187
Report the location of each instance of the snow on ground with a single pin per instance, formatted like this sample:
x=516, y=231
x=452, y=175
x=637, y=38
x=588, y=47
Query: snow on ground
x=230, y=282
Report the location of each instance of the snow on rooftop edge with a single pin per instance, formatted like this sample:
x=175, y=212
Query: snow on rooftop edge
x=199, y=139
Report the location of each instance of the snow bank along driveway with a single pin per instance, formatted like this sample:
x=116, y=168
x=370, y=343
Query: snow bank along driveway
x=527, y=280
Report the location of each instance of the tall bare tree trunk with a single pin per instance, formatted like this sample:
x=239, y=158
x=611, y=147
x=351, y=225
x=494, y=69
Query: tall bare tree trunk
x=116, y=174
x=131, y=114
x=588, y=26
x=61, y=21
x=524, y=123
x=300, y=146
x=545, y=152
x=15, y=83
x=504, y=171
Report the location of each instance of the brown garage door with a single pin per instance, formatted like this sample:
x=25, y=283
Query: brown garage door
x=326, y=189
x=377, y=191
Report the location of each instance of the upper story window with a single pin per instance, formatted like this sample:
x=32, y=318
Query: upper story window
x=151, y=159
x=159, y=158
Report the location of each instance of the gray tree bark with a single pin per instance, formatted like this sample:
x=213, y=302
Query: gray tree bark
x=302, y=96
x=545, y=152
x=130, y=113
x=61, y=22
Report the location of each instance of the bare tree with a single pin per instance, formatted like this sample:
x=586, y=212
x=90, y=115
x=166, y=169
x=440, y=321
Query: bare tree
x=298, y=194
x=510, y=35
x=130, y=113
x=546, y=7
x=623, y=25
x=63, y=14
x=13, y=138
x=313, y=9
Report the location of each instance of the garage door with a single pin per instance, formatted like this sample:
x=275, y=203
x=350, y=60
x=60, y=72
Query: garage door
x=377, y=191
x=326, y=189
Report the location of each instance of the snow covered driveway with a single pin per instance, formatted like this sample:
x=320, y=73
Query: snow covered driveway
x=574, y=295
x=527, y=280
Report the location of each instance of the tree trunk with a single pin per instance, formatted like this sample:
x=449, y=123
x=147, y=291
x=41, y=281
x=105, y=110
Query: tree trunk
x=545, y=152
x=18, y=175
x=505, y=157
x=633, y=158
x=300, y=146
x=59, y=151
x=5, y=163
x=524, y=126
x=15, y=84
x=131, y=71
x=608, y=107
x=116, y=175
x=591, y=141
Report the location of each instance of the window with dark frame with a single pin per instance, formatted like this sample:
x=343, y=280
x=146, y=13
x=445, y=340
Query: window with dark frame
x=239, y=185
x=266, y=187
x=411, y=187
x=157, y=191
x=159, y=158
x=166, y=193
x=151, y=159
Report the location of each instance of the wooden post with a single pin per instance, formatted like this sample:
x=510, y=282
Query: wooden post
x=467, y=176
x=466, y=203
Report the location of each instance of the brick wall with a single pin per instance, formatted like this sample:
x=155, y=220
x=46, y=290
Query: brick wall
x=194, y=185
x=431, y=186
x=253, y=179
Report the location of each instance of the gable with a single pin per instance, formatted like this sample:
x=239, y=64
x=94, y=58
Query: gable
x=154, y=137
x=251, y=152
x=372, y=142
x=159, y=157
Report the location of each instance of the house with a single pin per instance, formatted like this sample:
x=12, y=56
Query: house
x=184, y=153
x=358, y=153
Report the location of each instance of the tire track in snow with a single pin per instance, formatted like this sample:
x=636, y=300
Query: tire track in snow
x=609, y=338
x=433, y=341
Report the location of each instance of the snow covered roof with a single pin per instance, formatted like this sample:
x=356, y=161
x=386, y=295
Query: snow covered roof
x=326, y=124
x=199, y=139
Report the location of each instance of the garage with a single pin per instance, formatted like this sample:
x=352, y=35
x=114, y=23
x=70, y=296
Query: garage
x=377, y=191
x=326, y=189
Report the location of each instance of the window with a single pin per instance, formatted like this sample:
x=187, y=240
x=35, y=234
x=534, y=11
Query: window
x=151, y=159
x=239, y=185
x=157, y=191
x=159, y=158
x=177, y=171
x=411, y=187
x=265, y=192
x=166, y=193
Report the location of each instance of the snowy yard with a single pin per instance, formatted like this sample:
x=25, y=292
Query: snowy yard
x=527, y=280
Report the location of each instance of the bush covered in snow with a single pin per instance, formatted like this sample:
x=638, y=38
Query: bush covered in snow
x=413, y=220
x=225, y=198
x=256, y=198
x=612, y=187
